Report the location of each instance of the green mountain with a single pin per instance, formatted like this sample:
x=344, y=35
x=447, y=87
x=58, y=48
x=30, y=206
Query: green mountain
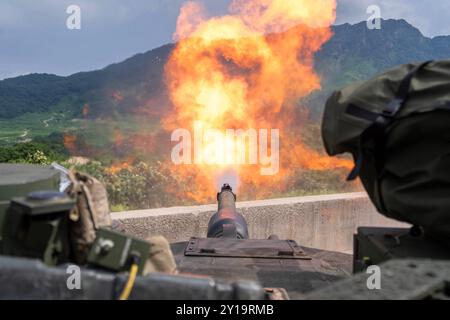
x=140, y=77
x=354, y=53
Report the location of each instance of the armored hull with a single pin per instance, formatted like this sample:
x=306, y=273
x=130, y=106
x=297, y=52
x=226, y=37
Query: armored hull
x=298, y=277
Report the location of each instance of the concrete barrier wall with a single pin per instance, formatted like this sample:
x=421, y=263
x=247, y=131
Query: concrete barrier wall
x=325, y=222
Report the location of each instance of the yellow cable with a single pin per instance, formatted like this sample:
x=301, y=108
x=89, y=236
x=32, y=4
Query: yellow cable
x=130, y=283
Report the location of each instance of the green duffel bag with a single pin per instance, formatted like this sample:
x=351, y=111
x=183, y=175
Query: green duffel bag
x=397, y=126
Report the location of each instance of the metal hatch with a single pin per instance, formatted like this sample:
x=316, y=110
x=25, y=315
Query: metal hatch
x=235, y=248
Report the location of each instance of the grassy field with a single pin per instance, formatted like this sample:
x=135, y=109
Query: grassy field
x=26, y=127
x=97, y=132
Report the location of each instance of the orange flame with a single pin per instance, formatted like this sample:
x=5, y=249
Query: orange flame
x=117, y=96
x=247, y=70
x=119, y=166
x=85, y=110
x=70, y=142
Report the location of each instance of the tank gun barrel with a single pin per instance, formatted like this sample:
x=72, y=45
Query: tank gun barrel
x=227, y=222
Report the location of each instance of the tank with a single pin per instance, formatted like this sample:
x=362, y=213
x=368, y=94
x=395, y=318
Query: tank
x=35, y=252
x=224, y=264
x=279, y=265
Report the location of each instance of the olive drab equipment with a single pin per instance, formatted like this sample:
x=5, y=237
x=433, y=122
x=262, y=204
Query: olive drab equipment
x=93, y=241
x=397, y=127
x=90, y=213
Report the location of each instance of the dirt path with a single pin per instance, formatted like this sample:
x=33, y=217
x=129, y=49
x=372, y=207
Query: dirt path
x=25, y=133
x=47, y=121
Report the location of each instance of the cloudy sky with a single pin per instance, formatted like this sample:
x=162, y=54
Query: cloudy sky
x=34, y=37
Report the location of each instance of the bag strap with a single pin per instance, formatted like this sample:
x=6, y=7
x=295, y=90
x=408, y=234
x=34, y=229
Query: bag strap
x=375, y=133
x=79, y=187
x=74, y=189
x=91, y=207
